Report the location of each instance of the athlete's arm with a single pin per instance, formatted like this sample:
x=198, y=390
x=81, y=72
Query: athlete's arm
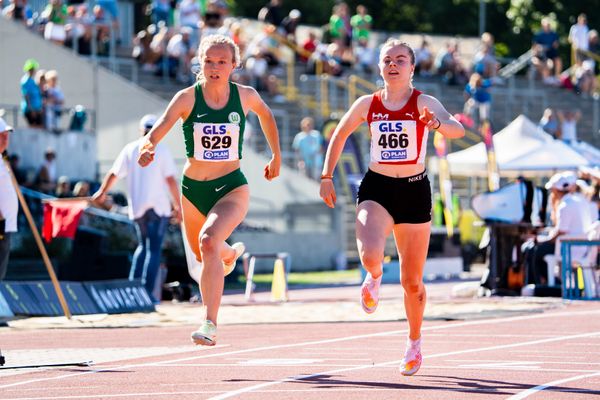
x=435, y=116
x=253, y=102
x=179, y=107
x=355, y=116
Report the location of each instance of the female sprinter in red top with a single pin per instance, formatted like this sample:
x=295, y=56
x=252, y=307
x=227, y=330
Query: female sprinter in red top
x=395, y=194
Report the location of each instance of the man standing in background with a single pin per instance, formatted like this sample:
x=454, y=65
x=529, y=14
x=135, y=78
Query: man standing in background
x=150, y=207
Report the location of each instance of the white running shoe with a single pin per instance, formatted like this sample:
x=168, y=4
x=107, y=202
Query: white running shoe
x=239, y=250
x=412, y=360
x=206, y=335
x=369, y=293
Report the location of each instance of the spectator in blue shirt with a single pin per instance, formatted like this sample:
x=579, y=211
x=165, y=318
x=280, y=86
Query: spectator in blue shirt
x=31, y=104
x=307, y=144
x=478, y=96
x=546, y=57
x=550, y=124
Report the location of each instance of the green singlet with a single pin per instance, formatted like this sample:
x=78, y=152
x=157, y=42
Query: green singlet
x=214, y=136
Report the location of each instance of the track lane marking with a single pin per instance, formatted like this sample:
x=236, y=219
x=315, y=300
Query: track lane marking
x=248, y=389
x=491, y=321
x=539, y=388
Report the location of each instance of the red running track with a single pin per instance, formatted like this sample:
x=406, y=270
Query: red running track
x=552, y=355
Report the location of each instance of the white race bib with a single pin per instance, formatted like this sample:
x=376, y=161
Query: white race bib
x=216, y=142
x=393, y=141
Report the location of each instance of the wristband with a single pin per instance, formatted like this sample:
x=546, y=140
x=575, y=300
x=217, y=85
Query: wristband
x=439, y=124
x=326, y=177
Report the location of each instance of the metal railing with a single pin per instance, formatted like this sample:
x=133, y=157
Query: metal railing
x=530, y=100
x=516, y=65
x=579, y=282
x=12, y=112
x=258, y=143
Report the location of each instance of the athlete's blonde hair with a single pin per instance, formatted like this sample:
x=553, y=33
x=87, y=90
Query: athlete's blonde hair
x=216, y=40
x=391, y=42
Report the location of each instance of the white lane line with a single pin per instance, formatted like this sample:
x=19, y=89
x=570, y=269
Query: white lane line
x=534, y=390
x=492, y=321
x=267, y=392
x=248, y=389
x=251, y=350
x=487, y=335
x=531, y=361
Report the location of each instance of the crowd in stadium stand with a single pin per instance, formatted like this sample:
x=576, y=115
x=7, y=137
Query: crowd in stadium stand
x=343, y=46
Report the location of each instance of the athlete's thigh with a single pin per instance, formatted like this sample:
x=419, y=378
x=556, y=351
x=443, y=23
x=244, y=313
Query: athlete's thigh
x=412, y=243
x=227, y=213
x=373, y=225
x=193, y=220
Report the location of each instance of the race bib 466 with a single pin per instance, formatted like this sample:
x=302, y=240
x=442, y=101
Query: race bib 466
x=393, y=141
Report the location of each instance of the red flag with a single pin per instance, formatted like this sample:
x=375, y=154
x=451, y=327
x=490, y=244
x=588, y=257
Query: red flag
x=61, y=218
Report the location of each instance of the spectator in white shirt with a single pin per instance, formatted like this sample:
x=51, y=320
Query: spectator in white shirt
x=189, y=16
x=149, y=204
x=568, y=125
x=578, y=36
x=571, y=216
x=54, y=101
x=180, y=51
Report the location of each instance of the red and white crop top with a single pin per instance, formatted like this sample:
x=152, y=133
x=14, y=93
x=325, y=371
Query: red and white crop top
x=397, y=137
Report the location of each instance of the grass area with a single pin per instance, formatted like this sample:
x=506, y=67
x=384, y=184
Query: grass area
x=314, y=278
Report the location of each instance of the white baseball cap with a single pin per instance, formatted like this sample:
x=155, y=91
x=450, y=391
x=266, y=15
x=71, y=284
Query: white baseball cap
x=570, y=177
x=4, y=126
x=560, y=182
x=148, y=121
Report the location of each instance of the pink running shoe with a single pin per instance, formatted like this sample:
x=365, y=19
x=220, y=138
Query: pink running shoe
x=412, y=360
x=369, y=294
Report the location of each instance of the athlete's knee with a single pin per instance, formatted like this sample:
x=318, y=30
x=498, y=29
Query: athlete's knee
x=412, y=286
x=208, y=243
x=371, y=258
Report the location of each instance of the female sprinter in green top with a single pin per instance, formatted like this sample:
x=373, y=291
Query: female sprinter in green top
x=215, y=192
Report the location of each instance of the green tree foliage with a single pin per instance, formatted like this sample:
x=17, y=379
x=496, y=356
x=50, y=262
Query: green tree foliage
x=512, y=22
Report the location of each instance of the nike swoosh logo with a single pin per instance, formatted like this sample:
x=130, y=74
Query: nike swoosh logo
x=201, y=115
x=219, y=188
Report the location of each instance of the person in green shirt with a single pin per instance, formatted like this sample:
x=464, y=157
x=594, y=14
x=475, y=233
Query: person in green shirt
x=361, y=24
x=55, y=15
x=339, y=25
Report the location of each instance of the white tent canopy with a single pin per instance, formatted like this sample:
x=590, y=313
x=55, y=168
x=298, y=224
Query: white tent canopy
x=521, y=148
x=591, y=153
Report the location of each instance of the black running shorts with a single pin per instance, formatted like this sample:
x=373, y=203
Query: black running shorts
x=408, y=200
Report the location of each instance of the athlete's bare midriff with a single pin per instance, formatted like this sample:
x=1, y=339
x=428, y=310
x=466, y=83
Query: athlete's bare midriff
x=207, y=170
x=397, y=171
